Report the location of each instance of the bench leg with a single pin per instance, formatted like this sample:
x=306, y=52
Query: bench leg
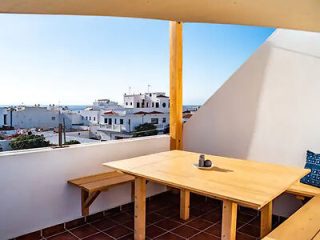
x=140, y=209
x=84, y=208
x=229, y=220
x=266, y=220
x=184, y=204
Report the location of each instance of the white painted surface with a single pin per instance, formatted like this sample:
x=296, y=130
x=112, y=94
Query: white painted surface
x=269, y=109
x=34, y=189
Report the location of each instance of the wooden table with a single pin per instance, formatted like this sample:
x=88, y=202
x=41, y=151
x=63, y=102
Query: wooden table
x=235, y=182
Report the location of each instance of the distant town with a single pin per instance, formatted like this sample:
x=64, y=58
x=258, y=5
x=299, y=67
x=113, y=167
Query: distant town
x=144, y=114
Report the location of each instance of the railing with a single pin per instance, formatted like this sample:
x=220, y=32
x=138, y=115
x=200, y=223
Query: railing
x=34, y=189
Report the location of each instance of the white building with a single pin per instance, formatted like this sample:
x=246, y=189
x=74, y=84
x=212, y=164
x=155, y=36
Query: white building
x=4, y=117
x=38, y=117
x=138, y=109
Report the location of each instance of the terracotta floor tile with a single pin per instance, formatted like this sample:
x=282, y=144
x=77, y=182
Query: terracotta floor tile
x=185, y=231
x=98, y=236
x=50, y=231
x=153, y=218
x=63, y=236
x=204, y=236
x=118, y=231
x=84, y=231
x=199, y=224
x=169, y=236
x=153, y=231
x=122, y=217
x=104, y=224
x=250, y=230
x=167, y=224
x=214, y=230
x=30, y=236
x=127, y=237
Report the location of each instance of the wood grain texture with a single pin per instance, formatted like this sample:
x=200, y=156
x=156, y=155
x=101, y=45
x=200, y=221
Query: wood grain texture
x=101, y=182
x=184, y=204
x=266, y=220
x=229, y=220
x=303, y=224
x=140, y=209
x=248, y=183
x=304, y=190
x=176, y=107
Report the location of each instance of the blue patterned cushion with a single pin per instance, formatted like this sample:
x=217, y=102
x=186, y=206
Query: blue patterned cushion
x=313, y=163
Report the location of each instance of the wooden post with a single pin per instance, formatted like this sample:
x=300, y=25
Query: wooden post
x=266, y=220
x=229, y=220
x=176, y=85
x=140, y=209
x=184, y=204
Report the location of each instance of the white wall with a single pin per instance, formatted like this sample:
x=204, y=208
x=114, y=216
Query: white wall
x=34, y=189
x=269, y=109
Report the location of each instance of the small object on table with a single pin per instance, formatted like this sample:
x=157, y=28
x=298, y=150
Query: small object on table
x=207, y=163
x=201, y=160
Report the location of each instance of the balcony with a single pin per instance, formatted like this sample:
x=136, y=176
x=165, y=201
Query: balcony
x=266, y=111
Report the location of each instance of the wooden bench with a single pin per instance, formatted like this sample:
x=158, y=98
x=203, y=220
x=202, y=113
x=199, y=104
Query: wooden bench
x=92, y=186
x=303, y=224
x=302, y=190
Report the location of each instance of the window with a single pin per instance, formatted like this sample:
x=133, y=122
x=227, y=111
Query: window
x=82, y=117
x=129, y=121
x=154, y=120
x=157, y=105
x=86, y=117
x=164, y=105
x=147, y=104
x=115, y=121
x=53, y=118
x=106, y=120
x=110, y=121
x=5, y=119
x=164, y=120
x=138, y=105
x=89, y=118
x=121, y=121
x=131, y=103
x=127, y=103
x=152, y=104
x=94, y=118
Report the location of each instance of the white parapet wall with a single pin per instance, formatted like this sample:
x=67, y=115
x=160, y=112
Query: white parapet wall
x=34, y=189
x=268, y=110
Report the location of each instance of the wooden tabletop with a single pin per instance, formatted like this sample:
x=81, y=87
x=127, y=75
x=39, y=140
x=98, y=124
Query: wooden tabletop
x=248, y=183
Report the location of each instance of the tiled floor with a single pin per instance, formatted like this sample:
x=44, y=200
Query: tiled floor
x=163, y=222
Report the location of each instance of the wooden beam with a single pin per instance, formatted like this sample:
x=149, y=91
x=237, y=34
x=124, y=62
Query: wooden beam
x=229, y=220
x=176, y=85
x=140, y=209
x=184, y=204
x=266, y=220
x=292, y=14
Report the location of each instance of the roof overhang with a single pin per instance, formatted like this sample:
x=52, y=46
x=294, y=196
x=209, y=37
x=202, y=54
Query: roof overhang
x=291, y=14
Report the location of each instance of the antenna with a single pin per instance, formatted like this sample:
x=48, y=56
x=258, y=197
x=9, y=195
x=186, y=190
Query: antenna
x=149, y=88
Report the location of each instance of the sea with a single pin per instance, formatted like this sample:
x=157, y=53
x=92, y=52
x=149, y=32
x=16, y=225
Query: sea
x=81, y=107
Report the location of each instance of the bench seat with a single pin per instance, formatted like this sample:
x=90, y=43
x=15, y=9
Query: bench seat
x=303, y=224
x=303, y=190
x=92, y=186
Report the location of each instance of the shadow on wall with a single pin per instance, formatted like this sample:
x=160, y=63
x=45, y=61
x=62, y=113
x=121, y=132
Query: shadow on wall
x=225, y=124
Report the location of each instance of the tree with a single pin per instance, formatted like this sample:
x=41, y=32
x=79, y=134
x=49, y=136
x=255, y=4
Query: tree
x=29, y=141
x=145, y=129
x=71, y=142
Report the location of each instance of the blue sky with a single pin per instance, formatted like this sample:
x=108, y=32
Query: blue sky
x=75, y=60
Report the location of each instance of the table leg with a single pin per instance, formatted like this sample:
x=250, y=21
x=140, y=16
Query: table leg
x=140, y=209
x=229, y=220
x=184, y=204
x=266, y=220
